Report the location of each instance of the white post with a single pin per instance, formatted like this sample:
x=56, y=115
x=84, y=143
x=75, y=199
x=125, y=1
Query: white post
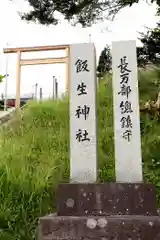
x=35, y=89
x=40, y=94
x=126, y=112
x=53, y=88
x=6, y=83
x=83, y=120
x=56, y=89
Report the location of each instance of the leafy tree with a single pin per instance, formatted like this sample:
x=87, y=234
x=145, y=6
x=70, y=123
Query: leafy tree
x=140, y=51
x=2, y=96
x=105, y=61
x=85, y=12
x=151, y=41
x=141, y=56
x=1, y=78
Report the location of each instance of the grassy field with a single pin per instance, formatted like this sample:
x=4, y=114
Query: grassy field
x=34, y=156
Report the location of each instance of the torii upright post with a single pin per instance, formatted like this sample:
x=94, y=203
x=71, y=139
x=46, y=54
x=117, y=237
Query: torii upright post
x=18, y=81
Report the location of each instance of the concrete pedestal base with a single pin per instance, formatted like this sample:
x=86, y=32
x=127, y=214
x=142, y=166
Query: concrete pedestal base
x=106, y=199
x=100, y=228
x=110, y=211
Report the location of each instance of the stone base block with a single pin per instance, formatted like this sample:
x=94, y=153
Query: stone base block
x=132, y=227
x=106, y=199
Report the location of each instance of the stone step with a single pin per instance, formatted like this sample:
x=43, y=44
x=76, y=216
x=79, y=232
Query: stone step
x=131, y=227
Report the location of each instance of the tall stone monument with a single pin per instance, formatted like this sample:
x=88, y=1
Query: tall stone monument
x=83, y=119
x=128, y=160
x=87, y=210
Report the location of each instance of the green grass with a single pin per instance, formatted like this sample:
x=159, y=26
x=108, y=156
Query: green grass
x=34, y=156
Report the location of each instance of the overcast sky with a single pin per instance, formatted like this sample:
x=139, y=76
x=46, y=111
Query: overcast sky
x=18, y=33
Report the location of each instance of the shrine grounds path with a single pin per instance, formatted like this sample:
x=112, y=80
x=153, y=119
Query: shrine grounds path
x=34, y=156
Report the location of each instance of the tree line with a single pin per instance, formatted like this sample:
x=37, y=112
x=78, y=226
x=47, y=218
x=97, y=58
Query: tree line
x=84, y=12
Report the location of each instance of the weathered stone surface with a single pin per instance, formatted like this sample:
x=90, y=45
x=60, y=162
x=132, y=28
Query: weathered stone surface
x=127, y=139
x=100, y=228
x=106, y=199
x=83, y=119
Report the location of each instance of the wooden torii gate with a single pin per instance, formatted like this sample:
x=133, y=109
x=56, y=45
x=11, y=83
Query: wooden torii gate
x=24, y=62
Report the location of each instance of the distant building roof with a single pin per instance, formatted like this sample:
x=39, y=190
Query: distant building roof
x=23, y=96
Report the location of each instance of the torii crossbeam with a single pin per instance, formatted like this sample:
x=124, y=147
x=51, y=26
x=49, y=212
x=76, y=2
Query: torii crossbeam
x=24, y=62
